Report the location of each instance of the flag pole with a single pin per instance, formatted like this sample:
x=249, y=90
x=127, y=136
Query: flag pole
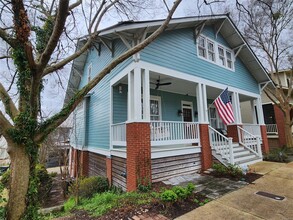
x=216, y=98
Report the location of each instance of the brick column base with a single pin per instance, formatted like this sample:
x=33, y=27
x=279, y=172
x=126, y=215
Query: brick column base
x=232, y=132
x=206, y=151
x=138, y=151
x=279, y=116
x=265, y=142
x=109, y=170
x=84, y=157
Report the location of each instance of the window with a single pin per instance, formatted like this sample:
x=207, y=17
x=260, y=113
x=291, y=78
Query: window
x=229, y=59
x=155, y=108
x=211, y=51
x=214, y=52
x=221, y=56
x=202, y=46
x=89, y=73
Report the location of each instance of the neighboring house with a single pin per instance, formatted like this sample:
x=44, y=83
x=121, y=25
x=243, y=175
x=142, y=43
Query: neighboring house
x=273, y=115
x=151, y=118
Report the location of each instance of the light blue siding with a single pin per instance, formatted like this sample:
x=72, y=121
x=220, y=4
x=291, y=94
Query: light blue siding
x=99, y=104
x=170, y=104
x=177, y=50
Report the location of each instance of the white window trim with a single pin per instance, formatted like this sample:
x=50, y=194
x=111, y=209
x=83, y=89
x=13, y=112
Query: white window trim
x=216, y=52
x=89, y=72
x=157, y=98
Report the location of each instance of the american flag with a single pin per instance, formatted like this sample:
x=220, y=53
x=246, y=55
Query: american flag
x=224, y=107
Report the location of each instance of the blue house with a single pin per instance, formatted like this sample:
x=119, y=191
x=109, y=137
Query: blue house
x=152, y=117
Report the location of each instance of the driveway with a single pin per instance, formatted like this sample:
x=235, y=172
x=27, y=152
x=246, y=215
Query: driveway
x=246, y=204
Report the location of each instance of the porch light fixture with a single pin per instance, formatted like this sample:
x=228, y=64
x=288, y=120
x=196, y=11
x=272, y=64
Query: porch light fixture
x=120, y=89
x=180, y=113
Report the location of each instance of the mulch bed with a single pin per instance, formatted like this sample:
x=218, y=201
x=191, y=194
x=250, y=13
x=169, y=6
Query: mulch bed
x=153, y=209
x=249, y=177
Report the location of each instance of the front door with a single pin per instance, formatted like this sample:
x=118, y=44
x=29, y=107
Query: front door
x=187, y=111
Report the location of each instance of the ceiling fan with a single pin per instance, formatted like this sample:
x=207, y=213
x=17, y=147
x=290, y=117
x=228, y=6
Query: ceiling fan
x=158, y=83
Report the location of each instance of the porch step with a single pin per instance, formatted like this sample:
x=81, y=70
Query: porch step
x=253, y=160
x=244, y=157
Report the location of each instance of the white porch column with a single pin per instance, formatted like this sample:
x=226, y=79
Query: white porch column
x=252, y=104
x=205, y=103
x=130, y=105
x=260, y=116
x=202, y=108
x=236, y=107
x=146, y=94
x=137, y=94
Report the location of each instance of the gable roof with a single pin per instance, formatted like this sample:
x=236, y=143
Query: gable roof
x=221, y=22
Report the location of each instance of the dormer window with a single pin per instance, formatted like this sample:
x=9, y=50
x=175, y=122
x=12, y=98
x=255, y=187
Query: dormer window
x=202, y=46
x=215, y=52
x=211, y=51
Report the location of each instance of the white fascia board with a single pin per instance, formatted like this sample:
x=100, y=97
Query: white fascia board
x=196, y=79
x=248, y=47
x=158, y=23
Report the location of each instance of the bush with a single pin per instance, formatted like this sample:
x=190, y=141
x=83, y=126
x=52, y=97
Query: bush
x=169, y=196
x=190, y=188
x=42, y=174
x=181, y=192
x=5, y=178
x=45, y=182
x=231, y=170
x=89, y=186
x=277, y=155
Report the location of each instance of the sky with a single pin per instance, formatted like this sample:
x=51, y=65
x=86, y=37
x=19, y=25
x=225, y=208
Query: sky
x=55, y=85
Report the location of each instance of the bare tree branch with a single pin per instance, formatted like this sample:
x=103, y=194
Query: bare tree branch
x=53, y=122
x=10, y=108
x=54, y=38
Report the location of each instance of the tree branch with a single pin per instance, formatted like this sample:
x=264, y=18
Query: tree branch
x=11, y=41
x=10, y=108
x=53, y=122
x=54, y=38
x=4, y=125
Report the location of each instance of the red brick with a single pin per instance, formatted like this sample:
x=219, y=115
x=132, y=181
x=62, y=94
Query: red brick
x=206, y=151
x=138, y=153
x=265, y=142
x=84, y=163
x=232, y=131
x=279, y=116
x=109, y=170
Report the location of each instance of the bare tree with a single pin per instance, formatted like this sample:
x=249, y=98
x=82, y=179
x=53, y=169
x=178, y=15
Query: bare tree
x=35, y=32
x=268, y=29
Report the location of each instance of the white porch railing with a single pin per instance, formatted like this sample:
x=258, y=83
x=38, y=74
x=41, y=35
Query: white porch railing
x=173, y=132
x=249, y=141
x=253, y=129
x=119, y=134
x=222, y=145
x=272, y=128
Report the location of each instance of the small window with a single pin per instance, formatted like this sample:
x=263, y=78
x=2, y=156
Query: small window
x=155, y=109
x=221, y=56
x=229, y=60
x=89, y=73
x=202, y=46
x=211, y=51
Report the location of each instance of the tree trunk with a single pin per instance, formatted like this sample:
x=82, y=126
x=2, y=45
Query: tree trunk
x=19, y=181
x=288, y=132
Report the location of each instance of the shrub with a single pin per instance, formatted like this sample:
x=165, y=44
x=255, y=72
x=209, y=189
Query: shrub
x=181, y=192
x=169, y=196
x=87, y=187
x=45, y=182
x=277, y=155
x=43, y=176
x=5, y=178
x=190, y=188
x=231, y=170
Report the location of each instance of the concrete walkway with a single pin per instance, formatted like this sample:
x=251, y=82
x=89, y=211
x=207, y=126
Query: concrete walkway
x=245, y=204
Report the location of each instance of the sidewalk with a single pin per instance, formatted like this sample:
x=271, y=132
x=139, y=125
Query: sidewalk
x=245, y=204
